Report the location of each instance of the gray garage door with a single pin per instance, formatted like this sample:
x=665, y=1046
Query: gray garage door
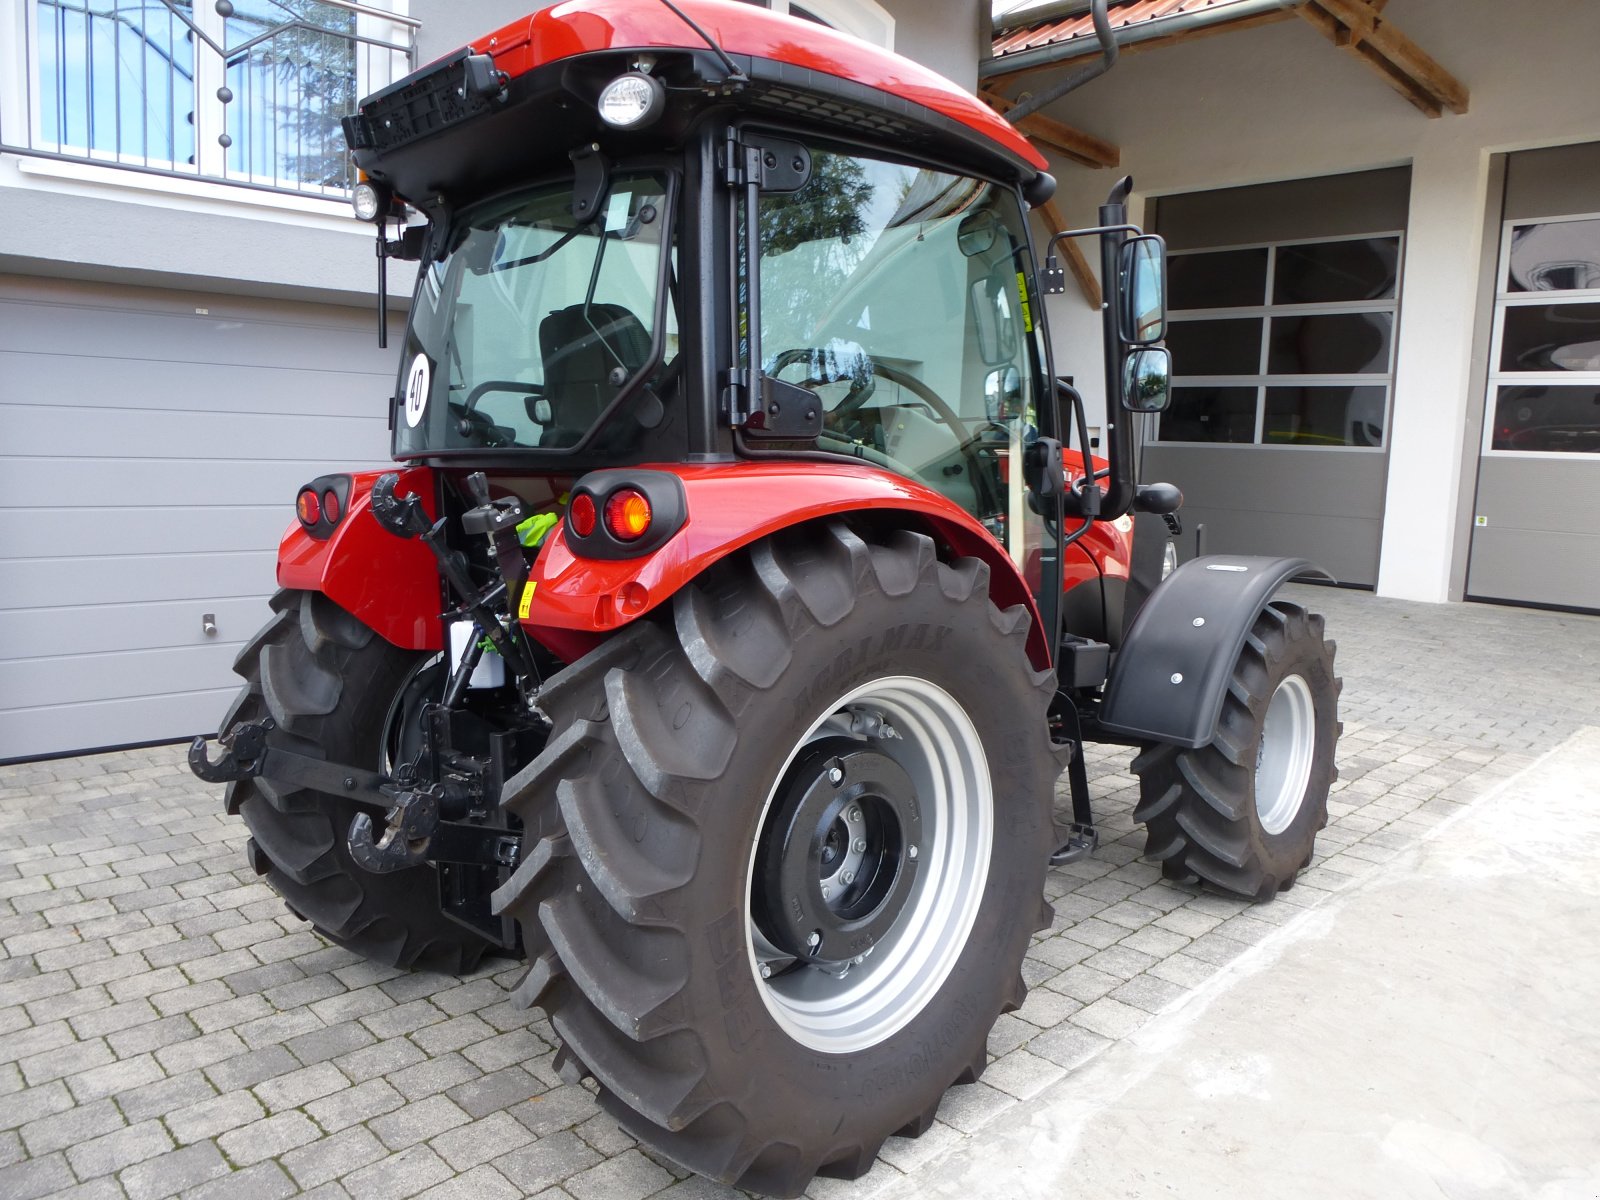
x=1286, y=301
x=150, y=446
x=1534, y=538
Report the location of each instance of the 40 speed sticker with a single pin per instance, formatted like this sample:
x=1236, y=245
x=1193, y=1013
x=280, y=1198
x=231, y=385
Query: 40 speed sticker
x=417, y=390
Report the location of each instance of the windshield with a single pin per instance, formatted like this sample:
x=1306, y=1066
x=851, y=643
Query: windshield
x=533, y=323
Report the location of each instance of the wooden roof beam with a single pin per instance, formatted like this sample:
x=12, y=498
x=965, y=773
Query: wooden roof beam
x=1074, y=144
x=1357, y=26
x=1069, y=249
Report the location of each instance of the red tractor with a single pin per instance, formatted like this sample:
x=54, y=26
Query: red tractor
x=720, y=638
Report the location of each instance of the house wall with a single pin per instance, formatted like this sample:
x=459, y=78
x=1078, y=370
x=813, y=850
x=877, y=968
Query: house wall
x=1280, y=102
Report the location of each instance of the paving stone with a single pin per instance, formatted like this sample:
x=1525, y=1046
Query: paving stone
x=330, y=1157
x=481, y=1141
x=198, y=1052
x=247, y=1070
x=1022, y=1074
x=417, y=1122
x=114, y=1077
x=177, y=1171
x=453, y=1035
x=603, y=1133
x=113, y=1151
x=353, y=1105
x=399, y=1176
x=36, y=1177
x=972, y=1106
x=491, y=1093
x=269, y=1138
x=559, y=1108
x=1110, y=1018
x=71, y=1126
x=519, y=1045
x=299, y=1088
x=264, y=1181
x=480, y=1183
x=547, y=1161
x=433, y=1076
x=165, y=1095
x=329, y=1043
x=208, y=1118
x=629, y=1176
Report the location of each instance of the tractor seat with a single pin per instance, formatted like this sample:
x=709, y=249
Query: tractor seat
x=582, y=349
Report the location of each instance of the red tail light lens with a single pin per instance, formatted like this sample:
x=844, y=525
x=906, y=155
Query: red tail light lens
x=581, y=514
x=627, y=515
x=307, y=508
x=330, y=506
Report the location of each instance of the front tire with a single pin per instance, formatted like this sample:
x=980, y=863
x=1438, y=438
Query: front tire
x=815, y=708
x=1242, y=813
x=333, y=687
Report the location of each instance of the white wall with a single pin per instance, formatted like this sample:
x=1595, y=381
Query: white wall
x=1280, y=102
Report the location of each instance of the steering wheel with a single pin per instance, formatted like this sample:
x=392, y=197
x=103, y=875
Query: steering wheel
x=862, y=390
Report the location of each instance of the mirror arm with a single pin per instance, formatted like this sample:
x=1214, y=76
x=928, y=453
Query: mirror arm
x=1054, y=280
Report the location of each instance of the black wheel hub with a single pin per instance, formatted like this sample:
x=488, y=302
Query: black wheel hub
x=838, y=852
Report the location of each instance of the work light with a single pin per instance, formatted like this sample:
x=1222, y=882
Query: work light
x=632, y=101
x=369, y=203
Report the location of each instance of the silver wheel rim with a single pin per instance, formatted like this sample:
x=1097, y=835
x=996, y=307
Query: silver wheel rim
x=938, y=746
x=1283, y=763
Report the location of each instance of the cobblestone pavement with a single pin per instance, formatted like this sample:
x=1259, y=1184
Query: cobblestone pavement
x=167, y=1028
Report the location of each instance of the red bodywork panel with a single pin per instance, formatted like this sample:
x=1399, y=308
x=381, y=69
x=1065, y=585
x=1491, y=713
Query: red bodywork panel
x=391, y=583
x=731, y=506
x=586, y=26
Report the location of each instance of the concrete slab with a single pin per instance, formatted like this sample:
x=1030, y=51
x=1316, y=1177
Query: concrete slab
x=1430, y=1032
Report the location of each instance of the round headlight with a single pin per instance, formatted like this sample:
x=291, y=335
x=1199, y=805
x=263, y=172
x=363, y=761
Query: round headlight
x=368, y=202
x=632, y=101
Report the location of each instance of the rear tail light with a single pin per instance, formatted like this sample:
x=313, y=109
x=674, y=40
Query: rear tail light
x=581, y=514
x=322, y=503
x=628, y=515
x=625, y=512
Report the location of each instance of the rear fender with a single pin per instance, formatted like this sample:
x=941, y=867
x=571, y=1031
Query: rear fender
x=390, y=583
x=733, y=505
x=1172, y=672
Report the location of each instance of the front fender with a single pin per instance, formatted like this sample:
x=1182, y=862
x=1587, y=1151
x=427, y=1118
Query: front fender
x=1169, y=679
x=731, y=505
x=390, y=583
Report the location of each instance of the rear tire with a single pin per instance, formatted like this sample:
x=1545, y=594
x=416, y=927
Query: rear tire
x=332, y=687
x=649, y=892
x=1242, y=813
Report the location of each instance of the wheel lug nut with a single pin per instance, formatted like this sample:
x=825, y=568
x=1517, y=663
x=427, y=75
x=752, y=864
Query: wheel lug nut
x=848, y=877
x=826, y=891
x=836, y=775
x=911, y=852
x=860, y=846
x=766, y=970
x=814, y=941
x=854, y=815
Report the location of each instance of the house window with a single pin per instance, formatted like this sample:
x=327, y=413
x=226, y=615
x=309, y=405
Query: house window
x=1544, y=383
x=864, y=19
x=1287, y=344
x=248, y=91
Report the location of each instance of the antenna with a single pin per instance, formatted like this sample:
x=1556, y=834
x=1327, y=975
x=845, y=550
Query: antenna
x=734, y=76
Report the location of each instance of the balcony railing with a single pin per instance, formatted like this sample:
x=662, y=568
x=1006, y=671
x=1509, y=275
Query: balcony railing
x=247, y=92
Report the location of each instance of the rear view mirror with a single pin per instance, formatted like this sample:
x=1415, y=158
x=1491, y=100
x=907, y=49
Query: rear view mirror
x=1002, y=394
x=1143, y=283
x=1147, y=380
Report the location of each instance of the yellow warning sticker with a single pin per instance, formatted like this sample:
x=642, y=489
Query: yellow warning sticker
x=1022, y=292
x=527, y=601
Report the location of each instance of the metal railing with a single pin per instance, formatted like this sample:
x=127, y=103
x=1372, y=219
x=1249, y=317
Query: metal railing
x=247, y=92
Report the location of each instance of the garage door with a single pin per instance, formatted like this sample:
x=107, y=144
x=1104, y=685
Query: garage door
x=1534, y=539
x=151, y=443
x=1286, y=301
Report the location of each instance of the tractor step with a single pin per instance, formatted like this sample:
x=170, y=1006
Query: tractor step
x=1082, y=841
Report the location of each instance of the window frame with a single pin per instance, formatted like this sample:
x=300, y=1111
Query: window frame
x=1266, y=311
x=1505, y=299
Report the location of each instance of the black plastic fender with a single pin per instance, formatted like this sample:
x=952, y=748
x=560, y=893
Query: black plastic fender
x=1170, y=676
